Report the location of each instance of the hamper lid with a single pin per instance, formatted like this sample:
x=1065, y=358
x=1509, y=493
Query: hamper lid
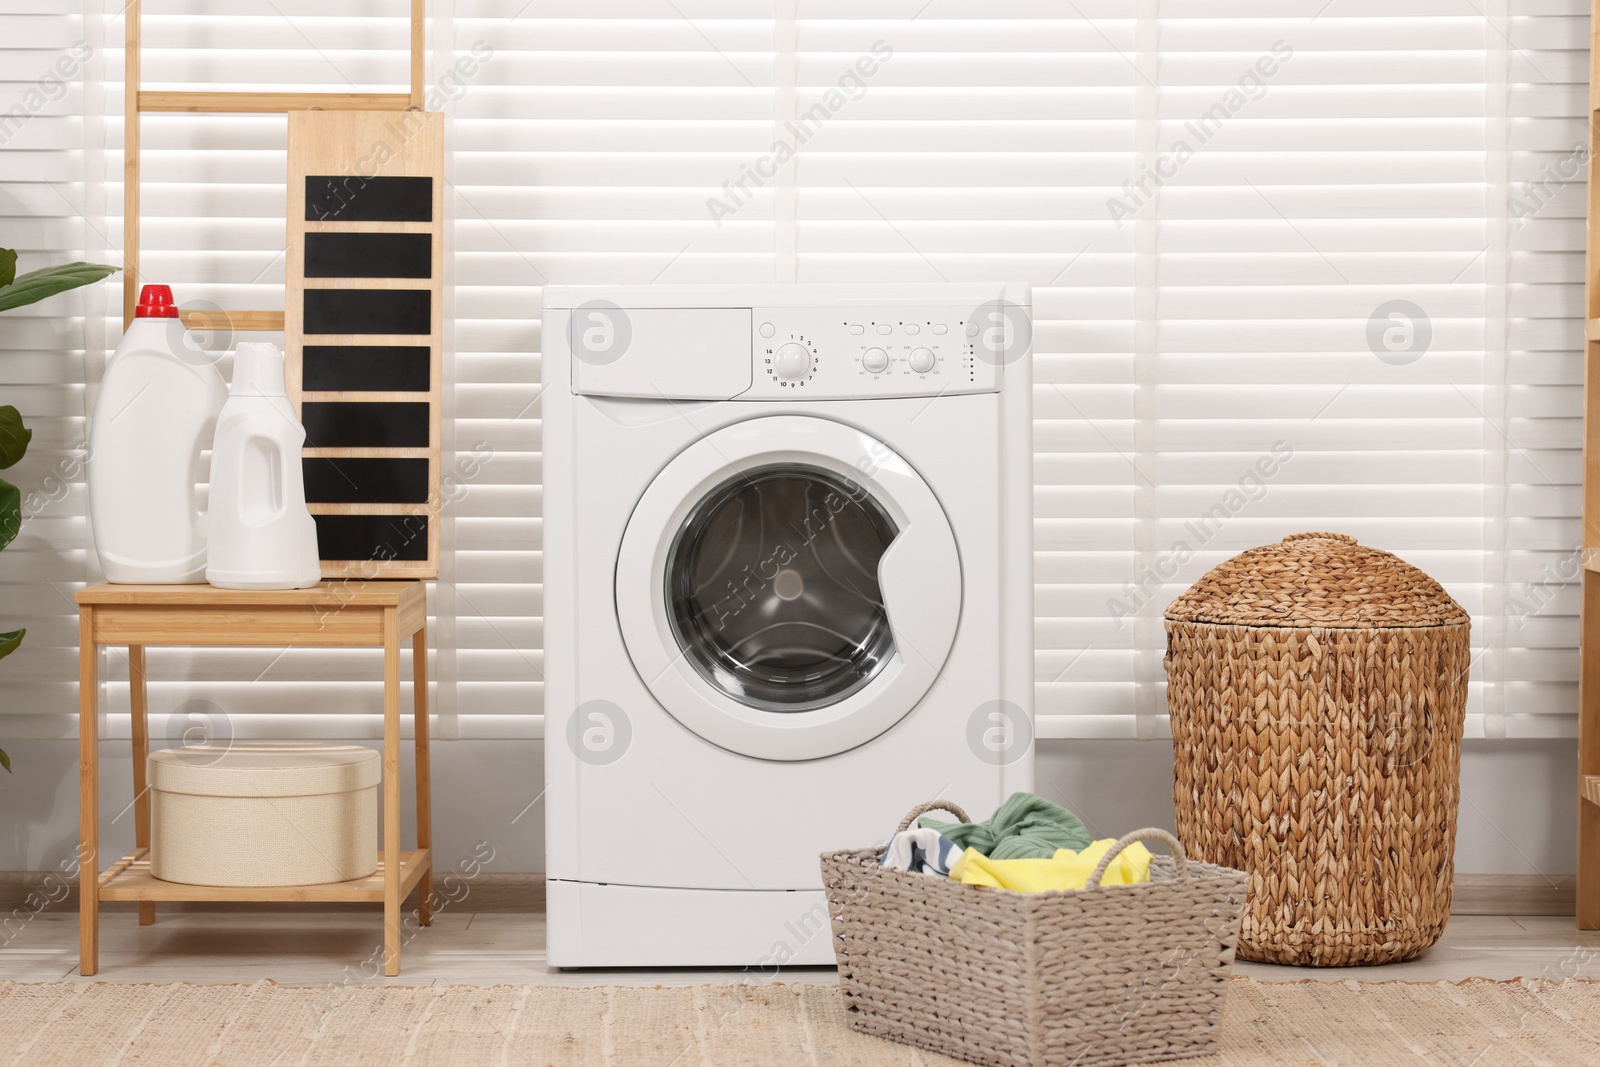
x=1317, y=579
x=271, y=770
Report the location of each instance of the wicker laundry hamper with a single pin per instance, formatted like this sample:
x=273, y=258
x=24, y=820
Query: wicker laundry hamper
x=1316, y=690
x=1066, y=978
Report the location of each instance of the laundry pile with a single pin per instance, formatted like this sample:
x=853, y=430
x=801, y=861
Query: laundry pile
x=1029, y=845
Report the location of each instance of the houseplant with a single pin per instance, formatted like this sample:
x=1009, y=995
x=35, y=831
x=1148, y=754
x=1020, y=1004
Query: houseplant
x=17, y=292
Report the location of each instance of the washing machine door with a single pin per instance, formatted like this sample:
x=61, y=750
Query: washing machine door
x=788, y=587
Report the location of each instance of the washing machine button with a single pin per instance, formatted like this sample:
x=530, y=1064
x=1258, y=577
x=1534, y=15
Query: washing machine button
x=884, y=327
x=857, y=329
x=940, y=328
x=793, y=361
x=875, y=360
x=912, y=327
x=767, y=329
x=922, y=361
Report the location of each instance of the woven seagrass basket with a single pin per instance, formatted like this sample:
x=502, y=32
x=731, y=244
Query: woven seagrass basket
x=1317, y=690
x=1103, y=975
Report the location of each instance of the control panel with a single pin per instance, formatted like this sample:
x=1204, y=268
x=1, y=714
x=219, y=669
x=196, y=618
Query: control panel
x=843, y=354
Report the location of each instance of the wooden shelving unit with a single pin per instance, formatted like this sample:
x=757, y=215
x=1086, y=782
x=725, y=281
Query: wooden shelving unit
x=331, y=615
x=130, y=879
x=1588, y=906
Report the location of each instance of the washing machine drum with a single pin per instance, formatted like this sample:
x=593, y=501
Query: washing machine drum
x=788, y=587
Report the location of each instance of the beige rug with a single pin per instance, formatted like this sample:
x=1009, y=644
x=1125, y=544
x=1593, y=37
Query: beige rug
x=1313, y=1023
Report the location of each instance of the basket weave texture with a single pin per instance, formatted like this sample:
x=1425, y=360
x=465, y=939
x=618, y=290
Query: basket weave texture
x=1317, y=691
x=1121, y=974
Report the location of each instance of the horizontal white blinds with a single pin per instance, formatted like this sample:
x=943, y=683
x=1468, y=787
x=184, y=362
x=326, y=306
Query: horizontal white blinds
x=1216, y=365
x=1546, y=135
x=43, y=166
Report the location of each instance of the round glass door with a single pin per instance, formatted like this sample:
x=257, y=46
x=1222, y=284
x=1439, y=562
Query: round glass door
x=788, y=587
x=772, y=587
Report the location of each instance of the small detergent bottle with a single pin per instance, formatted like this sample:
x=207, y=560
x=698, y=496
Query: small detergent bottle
x=153, y=418
x=262, y=536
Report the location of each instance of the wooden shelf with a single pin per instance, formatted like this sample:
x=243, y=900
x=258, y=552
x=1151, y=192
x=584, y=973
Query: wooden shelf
x=237, y=321
x=270, y=103
x=130, y=879
x=1589, y=788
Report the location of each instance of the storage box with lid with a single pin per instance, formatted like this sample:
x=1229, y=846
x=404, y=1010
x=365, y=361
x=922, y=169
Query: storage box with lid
x=1317, y=691
x=264, y=814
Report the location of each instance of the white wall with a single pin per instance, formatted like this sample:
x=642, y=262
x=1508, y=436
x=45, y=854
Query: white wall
x=1517, y=816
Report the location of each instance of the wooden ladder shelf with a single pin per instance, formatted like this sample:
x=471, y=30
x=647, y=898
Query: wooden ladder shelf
x=139, y=102
x=1588, y=799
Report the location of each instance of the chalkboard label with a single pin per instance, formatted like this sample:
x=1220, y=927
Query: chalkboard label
x=365, y=368
x=364, y=424
x=369, y=255
x=397, y=311
x=349, y=480
x=402, y=537
x=363, y=320
x=352, y=198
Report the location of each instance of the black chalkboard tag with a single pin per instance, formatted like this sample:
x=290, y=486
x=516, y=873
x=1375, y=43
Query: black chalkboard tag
x=365, y=480
x=369, y=255
x=372, y=537
x=366, y=368
x=368, y=311
x=353, y=198
x=365, y=423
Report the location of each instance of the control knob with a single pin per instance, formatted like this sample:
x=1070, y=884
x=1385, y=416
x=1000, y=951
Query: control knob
x=793, y=361
x=922, y=360
x=875, y=360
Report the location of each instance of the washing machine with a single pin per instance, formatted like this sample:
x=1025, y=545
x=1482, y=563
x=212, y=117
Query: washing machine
x=787, y=595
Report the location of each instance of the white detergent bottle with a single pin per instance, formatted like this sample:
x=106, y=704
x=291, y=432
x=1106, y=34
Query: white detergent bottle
x=153, y=418
x=262, y=536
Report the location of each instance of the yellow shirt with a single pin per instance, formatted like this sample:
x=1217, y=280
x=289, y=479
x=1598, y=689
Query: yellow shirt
x=1065, y=870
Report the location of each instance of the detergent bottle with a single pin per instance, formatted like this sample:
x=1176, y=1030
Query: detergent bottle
x=261, y=535
x=152, y=421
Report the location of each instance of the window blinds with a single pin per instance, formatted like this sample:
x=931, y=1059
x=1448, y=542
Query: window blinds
x=1309, y=266
x=50, y=173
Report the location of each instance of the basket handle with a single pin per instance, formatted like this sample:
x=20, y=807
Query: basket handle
x=933, y=805
x=1147, y=834
x=1323, y=536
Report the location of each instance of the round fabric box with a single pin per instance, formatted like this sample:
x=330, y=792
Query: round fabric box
x=1317, y=691
x=264, y=814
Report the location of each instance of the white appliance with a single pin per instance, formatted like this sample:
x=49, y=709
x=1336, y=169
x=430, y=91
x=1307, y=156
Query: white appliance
x=788, y=594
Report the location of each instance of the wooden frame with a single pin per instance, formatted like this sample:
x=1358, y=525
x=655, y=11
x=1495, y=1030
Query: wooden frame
x=368, y=145
x=137, y=102
x=1588, y=799
x=337, y=614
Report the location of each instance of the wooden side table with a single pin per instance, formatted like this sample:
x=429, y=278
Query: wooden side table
x=330, y=615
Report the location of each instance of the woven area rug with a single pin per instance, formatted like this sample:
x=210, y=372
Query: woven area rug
x=1313, y=1023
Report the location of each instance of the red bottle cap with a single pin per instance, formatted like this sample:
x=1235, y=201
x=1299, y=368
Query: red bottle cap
x=155, y=302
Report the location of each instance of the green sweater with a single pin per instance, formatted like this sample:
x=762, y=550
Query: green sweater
x=1024, y=827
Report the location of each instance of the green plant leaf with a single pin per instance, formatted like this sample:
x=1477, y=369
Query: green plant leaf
x=48, y=281
x=8, y=266
x=14, y=436
x=5, y=760
x=10, y=641
x=10, y=512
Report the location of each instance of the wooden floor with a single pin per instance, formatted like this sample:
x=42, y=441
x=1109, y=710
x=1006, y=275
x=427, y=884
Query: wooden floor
x=301, y=946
